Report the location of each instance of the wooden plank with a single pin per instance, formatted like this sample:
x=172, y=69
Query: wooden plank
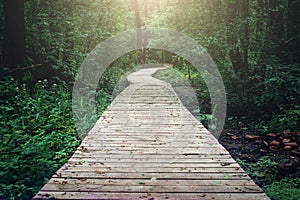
x=160, y=169
x=161, y=189
x=151, y=151
x=141, y=148
x=149, y=196
x=185, y=165
x=98, y=174
x=96, y=143
x=145, y=157
x=123, y=155
x=175, y=137
x=172, y=136
x=150, y=160
x=145, y=182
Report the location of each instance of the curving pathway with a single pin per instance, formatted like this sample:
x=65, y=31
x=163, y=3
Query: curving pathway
x=147, y=145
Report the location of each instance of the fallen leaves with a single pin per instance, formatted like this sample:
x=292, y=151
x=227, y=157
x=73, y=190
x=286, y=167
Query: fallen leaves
x=266, y=143
x=287, y=148
x=225, y=163
x=250, y=137
x=234, y=137
x=285, y=141
x=292, y=144
x=84, y=149
x=295, y=152
x=272, y=134
x=60, y=182
x=275, y=143
x=99, y=172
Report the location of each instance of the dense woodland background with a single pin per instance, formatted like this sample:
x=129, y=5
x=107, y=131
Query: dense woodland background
x=254, y=43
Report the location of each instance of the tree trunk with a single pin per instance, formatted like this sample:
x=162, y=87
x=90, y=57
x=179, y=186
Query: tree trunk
x=232, y=39
x=138, y=28
x=138, y=23
x=14, y=36
x=276, y=28
x=145, y=35
x=245, y=38
x=260, y=17
x=157, y=2
x=146, y=8
x=293, y=31
x=189, y=71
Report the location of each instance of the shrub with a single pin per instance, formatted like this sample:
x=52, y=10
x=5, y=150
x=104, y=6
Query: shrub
x=286, y=189
x=262, y=171
x=37, y=136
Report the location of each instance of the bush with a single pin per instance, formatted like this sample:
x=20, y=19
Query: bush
x=262, y=171
x=38, y=132
x=37, y=136
x=286, y=189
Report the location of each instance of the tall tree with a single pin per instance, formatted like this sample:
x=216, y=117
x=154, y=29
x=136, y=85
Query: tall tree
x=276, y=28
x=140, y=35
x=14, y=36
x=246, y=34
x=232, y=39
x=293, y=31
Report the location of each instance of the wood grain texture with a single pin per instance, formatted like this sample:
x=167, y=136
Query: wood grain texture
x=147, y=145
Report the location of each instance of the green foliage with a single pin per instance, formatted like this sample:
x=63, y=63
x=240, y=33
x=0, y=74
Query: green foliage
x=262, y=171
x=205, y=119
x=279, y=89
x=60, y=33
x=172, y=76
x=286, y=189
x=246, y=42
x=122, y=66
x=37, y=136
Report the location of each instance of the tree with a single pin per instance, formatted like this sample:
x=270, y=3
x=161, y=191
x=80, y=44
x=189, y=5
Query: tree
x=140, y=35
x=14, y=36
x=245, y=38
x=276, y=28
x=293, y=31
x=232, y=39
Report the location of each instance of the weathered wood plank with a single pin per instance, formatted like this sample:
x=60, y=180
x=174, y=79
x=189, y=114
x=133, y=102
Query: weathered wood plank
x=147, y=155
x=151, y=151
x=159, y=169
x=149, y=160
x=153, y=188
x=156, y=182
x=150, y=196
x=171, y=164
x=98, y=174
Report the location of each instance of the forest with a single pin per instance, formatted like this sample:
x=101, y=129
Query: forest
x=254, y=43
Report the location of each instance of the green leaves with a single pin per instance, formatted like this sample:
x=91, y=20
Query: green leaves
x=37, y=136
x=262, y=171
x=286, y=189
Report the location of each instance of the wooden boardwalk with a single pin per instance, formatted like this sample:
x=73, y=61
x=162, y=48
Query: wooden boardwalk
x=147, y=145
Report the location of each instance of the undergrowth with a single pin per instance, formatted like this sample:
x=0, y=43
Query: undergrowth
x=37, y=136
x=285, y=189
